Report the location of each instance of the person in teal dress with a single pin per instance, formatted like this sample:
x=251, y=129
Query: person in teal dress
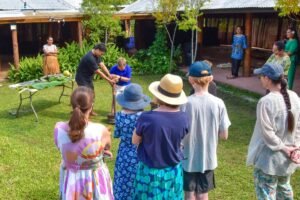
x=291, y=48
x=158, y=135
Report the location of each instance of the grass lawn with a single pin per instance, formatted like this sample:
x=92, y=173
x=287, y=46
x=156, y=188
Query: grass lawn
x=29, y=160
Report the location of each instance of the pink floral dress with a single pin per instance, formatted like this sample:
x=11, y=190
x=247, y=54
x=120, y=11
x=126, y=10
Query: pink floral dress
x=83, y=175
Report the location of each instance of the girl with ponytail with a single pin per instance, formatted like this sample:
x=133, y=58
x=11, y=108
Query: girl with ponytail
x=82, y=143
x=274, y=146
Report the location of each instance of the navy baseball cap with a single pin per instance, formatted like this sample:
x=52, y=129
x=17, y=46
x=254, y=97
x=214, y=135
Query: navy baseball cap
x=271, y=70
x=200, y=69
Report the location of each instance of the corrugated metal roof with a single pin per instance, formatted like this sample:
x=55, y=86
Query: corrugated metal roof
x=75, y=3
x=139, y=6
x=37, y=14
x=236, y=4
x=38, y=4
x=147, y=6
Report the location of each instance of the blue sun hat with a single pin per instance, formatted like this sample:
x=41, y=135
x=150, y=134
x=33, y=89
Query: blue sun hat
x=133, y=98
x=271, y=70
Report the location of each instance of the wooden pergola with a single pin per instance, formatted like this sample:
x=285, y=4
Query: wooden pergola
x=138, y=11
x=39, y=16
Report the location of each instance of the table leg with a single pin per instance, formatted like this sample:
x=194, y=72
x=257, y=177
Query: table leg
x=31, y=105
x=30, y=99
x=62, y=93
x=63, y=90
x=21, y=100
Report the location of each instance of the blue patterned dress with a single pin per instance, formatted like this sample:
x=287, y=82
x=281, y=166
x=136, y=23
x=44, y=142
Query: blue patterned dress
x=126, y=163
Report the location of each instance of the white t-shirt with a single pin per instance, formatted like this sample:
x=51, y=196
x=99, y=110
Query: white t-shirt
x=49, y=48
x=207, y=116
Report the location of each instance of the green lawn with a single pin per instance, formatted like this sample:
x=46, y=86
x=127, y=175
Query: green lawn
x=29, y=161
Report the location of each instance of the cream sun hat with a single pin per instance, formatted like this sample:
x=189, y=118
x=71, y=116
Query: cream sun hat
x=169, y=90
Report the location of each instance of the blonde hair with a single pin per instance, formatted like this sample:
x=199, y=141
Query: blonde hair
x=202, y=81
x=121, y=61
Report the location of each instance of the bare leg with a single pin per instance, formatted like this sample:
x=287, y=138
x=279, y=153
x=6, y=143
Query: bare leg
x=189, y=196
x=201, y=196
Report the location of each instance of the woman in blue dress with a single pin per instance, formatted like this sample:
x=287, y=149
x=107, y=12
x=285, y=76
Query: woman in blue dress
x=239, y=43
x=133, y=101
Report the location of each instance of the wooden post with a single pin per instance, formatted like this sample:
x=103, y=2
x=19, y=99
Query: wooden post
x=127, y=27
x=248, y=32
x=14, y=35
x=200, y=33
x=79, y=33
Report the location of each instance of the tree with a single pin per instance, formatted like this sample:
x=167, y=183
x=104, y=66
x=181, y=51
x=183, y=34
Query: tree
x=189, y=21
x=100, y=21
x=165, y=13
x=288, y=8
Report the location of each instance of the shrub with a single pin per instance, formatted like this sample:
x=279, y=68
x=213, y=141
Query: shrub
x=156, y=59
x=29, y=69
x=68, y=58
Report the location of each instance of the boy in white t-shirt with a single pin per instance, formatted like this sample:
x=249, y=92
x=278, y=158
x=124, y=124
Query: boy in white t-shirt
x=208, y=121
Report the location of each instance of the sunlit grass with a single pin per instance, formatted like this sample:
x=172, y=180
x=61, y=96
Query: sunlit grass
x=29, y=161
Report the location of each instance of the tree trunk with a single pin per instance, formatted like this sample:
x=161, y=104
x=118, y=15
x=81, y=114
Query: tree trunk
x=171, y=38
x=192, y=46
x=196, y=46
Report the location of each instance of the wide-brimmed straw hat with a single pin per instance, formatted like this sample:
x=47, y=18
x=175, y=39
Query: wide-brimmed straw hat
x=169, y=90
x=133, y=98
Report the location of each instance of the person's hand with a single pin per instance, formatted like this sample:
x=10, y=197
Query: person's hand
x=107, y=154
x=295, y=156
x=289, y=149
x=111, y=82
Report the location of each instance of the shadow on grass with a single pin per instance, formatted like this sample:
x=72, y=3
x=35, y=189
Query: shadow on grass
x=25, y=110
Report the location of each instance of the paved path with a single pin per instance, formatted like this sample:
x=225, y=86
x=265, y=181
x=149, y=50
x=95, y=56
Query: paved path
x=247, y=83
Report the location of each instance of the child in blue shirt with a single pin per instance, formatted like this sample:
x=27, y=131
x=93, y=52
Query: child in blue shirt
x=121, y=72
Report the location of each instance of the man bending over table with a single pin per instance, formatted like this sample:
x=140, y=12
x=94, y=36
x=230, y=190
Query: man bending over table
x=89, y=65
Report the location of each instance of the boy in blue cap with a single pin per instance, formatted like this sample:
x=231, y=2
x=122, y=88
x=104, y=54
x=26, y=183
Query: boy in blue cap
x=208, y=121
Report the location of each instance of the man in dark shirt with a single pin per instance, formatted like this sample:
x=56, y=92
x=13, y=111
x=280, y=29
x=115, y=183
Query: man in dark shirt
x=89, y=65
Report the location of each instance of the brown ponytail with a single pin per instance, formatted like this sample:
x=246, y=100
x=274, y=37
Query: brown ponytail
x=81, y=101
x=283, y=91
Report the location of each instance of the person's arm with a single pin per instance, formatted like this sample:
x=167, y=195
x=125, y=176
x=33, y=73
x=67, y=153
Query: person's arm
x=224, y=123
x=286, y=65
x=50, y=53
x=106, y=141
x=104, y=68
x=135, y=138
x=292, y=48
x=270, y=138
x=245, y=46
x=270, y=58
x=99, y=72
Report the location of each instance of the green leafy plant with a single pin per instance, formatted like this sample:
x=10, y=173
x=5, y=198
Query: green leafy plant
x=29, y=69
x=155, y=60
x=69, y=56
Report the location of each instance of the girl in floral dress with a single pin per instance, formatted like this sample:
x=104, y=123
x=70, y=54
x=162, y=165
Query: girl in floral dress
x=83, y=175
x=133, y=101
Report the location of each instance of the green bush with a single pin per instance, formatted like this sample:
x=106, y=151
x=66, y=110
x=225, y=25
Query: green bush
x=29, y=69
x=156, y=59
x=68, y=58
x=70, y=55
